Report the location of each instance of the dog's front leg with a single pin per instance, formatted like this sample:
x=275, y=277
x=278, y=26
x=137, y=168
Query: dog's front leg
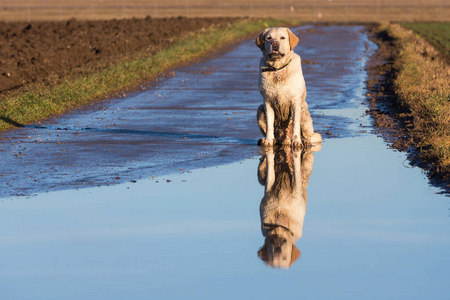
x=297, y=115
x=270, y=179
x=269, y=141
x=297, y=157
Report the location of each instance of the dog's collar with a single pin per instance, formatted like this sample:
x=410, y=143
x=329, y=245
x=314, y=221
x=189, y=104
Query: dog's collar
x=273, y=226
x=271, y=69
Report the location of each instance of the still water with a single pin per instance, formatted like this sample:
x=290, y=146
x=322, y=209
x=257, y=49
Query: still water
x=368, y=233
x=367, y=225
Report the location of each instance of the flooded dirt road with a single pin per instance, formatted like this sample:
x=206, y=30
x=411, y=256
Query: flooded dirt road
x=369, y=225
x=204, y=115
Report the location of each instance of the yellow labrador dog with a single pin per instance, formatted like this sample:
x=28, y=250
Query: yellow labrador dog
x=284, y=118
x=285, y=175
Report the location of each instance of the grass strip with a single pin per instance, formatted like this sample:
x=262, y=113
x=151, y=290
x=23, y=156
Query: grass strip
x=437, y=34
x=42, y=101
x=422, y=86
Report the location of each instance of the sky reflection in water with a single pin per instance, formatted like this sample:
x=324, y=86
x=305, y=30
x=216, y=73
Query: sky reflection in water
x=367, y=234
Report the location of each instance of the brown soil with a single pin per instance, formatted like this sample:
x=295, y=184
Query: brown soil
x=392, y=121
x=48, y=51
x=305, y=10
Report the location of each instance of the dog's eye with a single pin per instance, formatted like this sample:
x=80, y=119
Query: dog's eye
x=269, y=38
x=282, y=38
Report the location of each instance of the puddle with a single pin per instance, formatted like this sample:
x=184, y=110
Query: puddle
x=371, y=228
x=197, y=236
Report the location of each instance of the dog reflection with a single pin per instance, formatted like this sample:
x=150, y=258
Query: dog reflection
x=285, y=175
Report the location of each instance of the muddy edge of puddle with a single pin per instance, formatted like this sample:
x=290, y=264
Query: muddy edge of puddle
x=391, y=121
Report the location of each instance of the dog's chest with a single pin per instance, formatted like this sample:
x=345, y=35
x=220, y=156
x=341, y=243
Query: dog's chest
x=277, y=77
x=278, y=86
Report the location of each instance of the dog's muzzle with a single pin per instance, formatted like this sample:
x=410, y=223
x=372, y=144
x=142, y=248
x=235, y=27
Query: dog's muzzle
x=275, y=50
x=276, y=54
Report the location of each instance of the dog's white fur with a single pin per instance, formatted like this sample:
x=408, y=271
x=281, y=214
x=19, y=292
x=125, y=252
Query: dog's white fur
x=285, y=175
x=284, y=118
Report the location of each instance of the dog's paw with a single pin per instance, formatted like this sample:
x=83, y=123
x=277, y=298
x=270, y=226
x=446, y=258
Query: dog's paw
x=313, y=143
x=297, y=143
x=266, y=143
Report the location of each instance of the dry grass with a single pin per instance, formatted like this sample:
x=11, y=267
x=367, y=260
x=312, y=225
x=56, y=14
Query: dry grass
x=305, y=10
x=423, y=87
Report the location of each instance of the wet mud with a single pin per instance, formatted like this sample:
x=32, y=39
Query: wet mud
x=393, y=121
x=199, y=116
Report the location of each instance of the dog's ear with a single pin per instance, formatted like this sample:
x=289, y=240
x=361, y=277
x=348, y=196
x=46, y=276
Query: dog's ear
x=259, y=41
x=293, y=39
x=295, y=254
x=262, y=253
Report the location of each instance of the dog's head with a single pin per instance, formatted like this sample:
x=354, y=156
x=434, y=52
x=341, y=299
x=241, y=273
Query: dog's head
x=279, y=252
x=276, y=42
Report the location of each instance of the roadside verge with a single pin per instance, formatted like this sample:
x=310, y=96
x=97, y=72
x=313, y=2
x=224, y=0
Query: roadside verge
x=410, y=98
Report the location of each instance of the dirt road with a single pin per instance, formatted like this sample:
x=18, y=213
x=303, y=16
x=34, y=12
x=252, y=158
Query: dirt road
x=203, y=115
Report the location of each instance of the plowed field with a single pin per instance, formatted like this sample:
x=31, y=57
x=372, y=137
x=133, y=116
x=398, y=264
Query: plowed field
x=49, y=51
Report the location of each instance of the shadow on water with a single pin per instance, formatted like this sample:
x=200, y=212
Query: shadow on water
x=285, y=175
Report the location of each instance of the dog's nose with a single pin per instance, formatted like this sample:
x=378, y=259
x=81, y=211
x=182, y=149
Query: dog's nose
x=275, y=44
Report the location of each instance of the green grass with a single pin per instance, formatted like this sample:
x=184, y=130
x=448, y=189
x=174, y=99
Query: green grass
x=41, y=101
x=437, y=34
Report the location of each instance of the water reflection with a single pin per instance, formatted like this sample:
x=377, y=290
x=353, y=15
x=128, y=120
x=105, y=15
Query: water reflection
x=285, y=175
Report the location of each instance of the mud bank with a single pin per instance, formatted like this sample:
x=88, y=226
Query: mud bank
x=394, y=121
